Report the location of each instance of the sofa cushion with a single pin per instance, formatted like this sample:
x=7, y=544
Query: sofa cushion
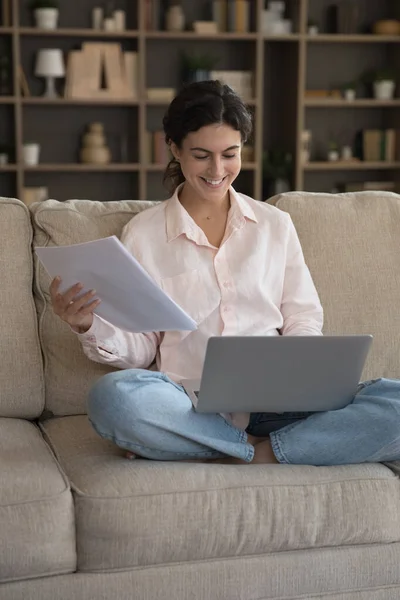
x=351, y=245
x=136, y=512
x=36, y=506
x=68, y=373
x=21, y=372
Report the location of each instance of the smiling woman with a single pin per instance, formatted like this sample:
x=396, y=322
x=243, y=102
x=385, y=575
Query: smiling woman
x=237, y=267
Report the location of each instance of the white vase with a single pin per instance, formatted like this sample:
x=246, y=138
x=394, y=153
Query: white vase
x=46, y=18
x=384, y=90
x=175, y=19
x=30, y=154
x=333, y=155
x=349, y=94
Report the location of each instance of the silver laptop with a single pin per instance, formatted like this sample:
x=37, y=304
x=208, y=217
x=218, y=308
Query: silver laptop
x=279, y=374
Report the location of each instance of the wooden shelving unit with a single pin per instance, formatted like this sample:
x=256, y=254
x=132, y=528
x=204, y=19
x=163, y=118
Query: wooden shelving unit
x=283, y=67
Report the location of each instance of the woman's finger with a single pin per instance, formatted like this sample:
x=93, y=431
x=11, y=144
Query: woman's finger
x=87, y=310
x=75, y=305
x=70, y=294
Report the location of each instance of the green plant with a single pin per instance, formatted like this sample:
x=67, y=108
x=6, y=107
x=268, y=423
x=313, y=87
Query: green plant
x=277, y=164
x=382, y=74
x=351, y=85
x=198, y=62
x=35, y=4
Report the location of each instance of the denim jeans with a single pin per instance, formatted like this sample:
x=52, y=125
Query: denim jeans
x=150, y=415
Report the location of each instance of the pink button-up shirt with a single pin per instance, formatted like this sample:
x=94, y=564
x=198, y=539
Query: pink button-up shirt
x=255, y=283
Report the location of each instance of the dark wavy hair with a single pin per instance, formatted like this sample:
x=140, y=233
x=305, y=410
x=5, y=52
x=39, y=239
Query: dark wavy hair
x=197, y=105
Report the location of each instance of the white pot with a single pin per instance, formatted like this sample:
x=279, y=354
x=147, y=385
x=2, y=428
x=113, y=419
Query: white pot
x=384, y=90
x=333, y=155
x=31, y=153
x=349, y=94
x=46, y=18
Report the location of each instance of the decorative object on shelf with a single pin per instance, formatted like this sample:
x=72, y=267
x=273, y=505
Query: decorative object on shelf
x=205, y=27
x=97, y=17
x=4, y=156
x=6, y=13
x=344, y=17
x=108, y=21
x=94, y=149
x=31, y=153
x=277, y=167
x=238, y=16
x=273, y=21
x=160, y=94
x=346, y=153
x=386, y=27
x=240, y=81
x=6, y=85
x=322, y=93
x=197, y=67
x=312, y=27
x=46, y=13
x=30, y=195
x=98, y=62
x=175, y=17
x=333, y=151
x=383, y=82
x=119, y=20
x=305, y=151
x=350, y=90
x=50, y=65
x=379, y=145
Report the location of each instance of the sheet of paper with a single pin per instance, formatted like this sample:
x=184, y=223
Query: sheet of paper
x=130, y=299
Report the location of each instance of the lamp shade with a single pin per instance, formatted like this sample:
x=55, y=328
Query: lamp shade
x=50, y=63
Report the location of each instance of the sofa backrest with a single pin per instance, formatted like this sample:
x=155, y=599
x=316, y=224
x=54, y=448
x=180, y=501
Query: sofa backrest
x=68, y=373
x=351, y=244
x=21, y=375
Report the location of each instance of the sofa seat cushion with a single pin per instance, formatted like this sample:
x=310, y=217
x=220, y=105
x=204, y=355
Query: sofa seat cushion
x=68, y=373
x=36, y=506
x=138, y=512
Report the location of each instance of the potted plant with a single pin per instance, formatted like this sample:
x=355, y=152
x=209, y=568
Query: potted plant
x=46, y=13
x=277, y=166
x=383, y=82
x=349, y=90
x=312, y=27
x=197, y=67
x=333, y=151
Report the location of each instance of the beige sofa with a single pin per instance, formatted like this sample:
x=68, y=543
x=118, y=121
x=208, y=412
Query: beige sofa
x=78, y=521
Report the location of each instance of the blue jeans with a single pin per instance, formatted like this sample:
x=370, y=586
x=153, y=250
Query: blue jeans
x=150, y=415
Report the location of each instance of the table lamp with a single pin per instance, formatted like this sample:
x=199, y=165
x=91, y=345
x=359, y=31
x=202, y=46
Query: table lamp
x=50, y=64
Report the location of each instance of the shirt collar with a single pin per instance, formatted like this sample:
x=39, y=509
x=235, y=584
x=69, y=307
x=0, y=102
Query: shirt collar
x=179, y=222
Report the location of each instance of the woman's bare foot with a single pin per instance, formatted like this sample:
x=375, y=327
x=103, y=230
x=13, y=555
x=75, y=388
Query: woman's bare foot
x=130, y=455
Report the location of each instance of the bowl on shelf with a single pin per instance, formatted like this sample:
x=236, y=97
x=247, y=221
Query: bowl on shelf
x=387, y=27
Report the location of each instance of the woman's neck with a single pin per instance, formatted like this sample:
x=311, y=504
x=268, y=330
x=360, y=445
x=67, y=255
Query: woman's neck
x=201, y=207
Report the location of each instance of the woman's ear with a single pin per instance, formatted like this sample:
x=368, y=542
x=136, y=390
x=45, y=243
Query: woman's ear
x=175, y=151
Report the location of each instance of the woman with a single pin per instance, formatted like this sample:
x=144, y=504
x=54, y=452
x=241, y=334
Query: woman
x=236, y=266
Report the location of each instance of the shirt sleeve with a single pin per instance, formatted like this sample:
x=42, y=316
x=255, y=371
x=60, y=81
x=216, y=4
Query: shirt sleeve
x=300, y=307
x=107, y=344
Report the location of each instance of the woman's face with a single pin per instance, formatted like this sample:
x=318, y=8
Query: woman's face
x=210, y=160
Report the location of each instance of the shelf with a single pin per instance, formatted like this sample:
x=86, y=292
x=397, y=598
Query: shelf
x=340, y=38
x=246, y=166
x=192, y=36
x=8, y=168
x=78, y=167
x=350, y=166
x=291, y=37
x=358, y=103
x=69, y=32
x=7, y=99
x=40, y=100
x=7, y=30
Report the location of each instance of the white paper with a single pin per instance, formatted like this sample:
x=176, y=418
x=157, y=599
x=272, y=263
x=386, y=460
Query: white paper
x=130, y=298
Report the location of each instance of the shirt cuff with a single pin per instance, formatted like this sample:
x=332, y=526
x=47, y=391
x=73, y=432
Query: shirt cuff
x=100, y=330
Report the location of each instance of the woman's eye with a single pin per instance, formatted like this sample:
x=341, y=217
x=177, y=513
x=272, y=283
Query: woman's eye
x=229, y=155
x=201, y=157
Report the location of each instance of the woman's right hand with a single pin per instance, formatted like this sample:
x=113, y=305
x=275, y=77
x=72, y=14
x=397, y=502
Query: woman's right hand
x=70, y=307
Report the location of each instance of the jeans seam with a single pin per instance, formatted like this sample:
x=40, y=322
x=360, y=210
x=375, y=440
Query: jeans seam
x=276, y=447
